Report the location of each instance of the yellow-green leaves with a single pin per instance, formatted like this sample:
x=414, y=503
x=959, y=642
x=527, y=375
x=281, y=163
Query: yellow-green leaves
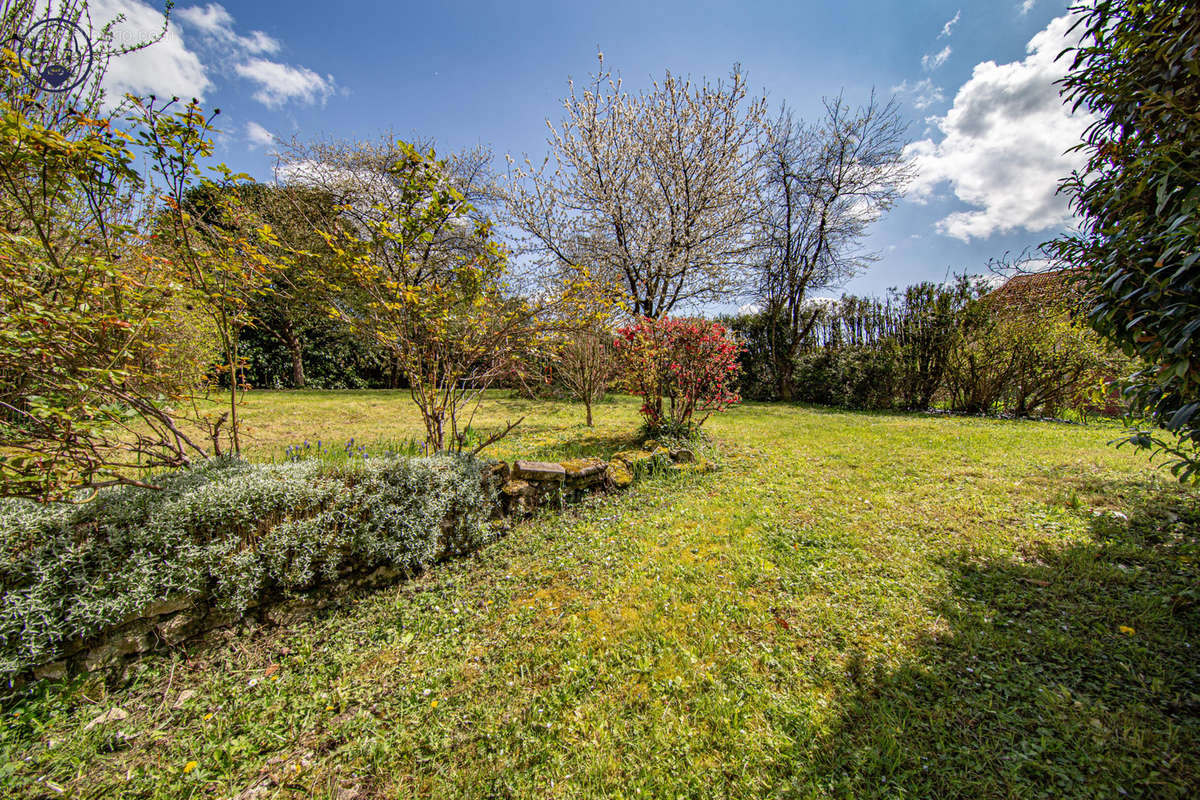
x=429, y=284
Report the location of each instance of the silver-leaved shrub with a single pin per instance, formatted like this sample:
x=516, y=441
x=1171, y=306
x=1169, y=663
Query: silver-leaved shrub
x=229, y=531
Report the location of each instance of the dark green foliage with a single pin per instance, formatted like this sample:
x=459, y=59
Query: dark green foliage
x=230, y=530
x=981, y=358
x=857, y=376
x=1019, y=349
x=1138, y=72
x=758, y=373
x=333, y=358
x=292, y=339
x=850, y=358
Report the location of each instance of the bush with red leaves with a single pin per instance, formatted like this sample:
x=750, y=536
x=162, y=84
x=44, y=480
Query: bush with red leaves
x=681, y=368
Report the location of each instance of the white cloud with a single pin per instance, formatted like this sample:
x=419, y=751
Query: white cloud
x=278, y=83
x=258, y=136
x=175, y=65
x=1027, y=6
x=931, y=61
x=313, y=172
x=198, y=41
x=211, y=18
x=923, y=92
x=216, y=24
x=1004, y=143
x=259, y=42
x=950, y=23
x=166, y=68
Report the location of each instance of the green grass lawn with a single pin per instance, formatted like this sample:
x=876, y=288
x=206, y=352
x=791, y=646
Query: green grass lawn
x=383, y=420
x=855, y=605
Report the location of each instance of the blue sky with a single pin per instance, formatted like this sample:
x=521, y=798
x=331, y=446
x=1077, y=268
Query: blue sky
x=974, y=79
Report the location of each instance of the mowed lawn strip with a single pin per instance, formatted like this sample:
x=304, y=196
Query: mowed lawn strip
x=855, y=605
x=382, y=420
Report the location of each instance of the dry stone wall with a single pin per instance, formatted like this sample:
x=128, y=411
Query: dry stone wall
x=521, y=490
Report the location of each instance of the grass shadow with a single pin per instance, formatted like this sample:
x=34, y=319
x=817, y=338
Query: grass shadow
x=589, y=445
x=1066, y=672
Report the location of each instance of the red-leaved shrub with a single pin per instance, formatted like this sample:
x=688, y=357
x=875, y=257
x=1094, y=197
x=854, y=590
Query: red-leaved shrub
x=682, y=368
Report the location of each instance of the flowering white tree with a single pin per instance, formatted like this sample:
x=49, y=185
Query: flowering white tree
x=654, y=191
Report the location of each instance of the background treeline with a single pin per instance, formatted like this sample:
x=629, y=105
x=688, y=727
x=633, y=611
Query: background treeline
x=331, y=357
x=966, y=346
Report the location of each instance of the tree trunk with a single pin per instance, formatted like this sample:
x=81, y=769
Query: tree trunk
x=1022, y=405
x=297, y=354
x=233, y=388
x=588, y=404
x=786, y=370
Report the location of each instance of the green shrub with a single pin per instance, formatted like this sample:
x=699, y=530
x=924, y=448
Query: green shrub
x=1137, y=200
x=1017, y=349
x=859, y=352
x=929, y=315
x=853, y=376
x=1023, y=351
x=229, y=530
x=758, y=370
x=982, y=359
